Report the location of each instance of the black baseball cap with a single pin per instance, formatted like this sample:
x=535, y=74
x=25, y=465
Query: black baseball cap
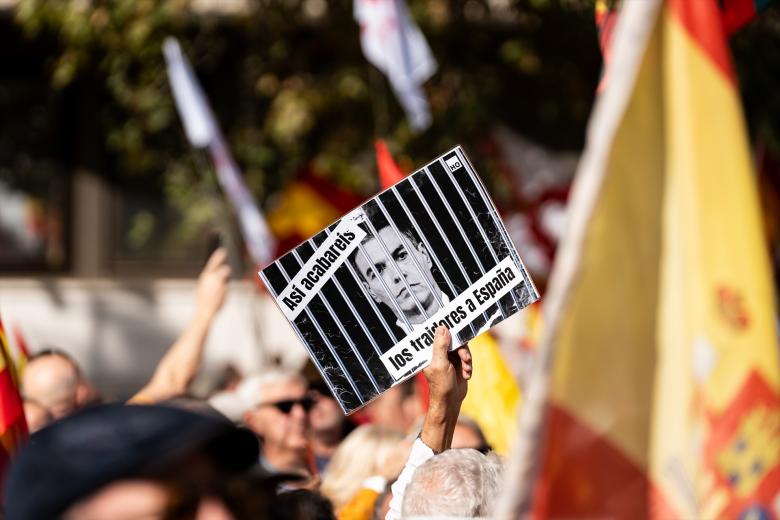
x=74, y=457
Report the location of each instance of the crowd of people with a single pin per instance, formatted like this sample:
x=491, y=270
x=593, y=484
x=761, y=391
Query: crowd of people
x=275, y=445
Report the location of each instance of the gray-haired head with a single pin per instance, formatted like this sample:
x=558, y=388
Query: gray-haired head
x=250, y=392
x=456, y=483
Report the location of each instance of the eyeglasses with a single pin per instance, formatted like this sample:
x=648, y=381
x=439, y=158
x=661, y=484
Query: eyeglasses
x=286, y=405
x=485, y=448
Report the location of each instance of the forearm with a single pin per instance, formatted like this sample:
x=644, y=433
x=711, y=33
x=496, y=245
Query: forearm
x=439, y=425
x=447, y=377
x=435, y=437
x=180, y=364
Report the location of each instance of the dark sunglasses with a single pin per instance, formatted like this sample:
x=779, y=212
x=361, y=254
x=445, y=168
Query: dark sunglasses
x=285, y=406
x=485, y=448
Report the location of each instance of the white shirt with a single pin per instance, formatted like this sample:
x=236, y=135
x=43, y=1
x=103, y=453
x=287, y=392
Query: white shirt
x=417, y=457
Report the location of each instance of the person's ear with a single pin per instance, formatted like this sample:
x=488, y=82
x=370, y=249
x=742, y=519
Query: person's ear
x=83, y=394
x=424, y=252
x=370, y=291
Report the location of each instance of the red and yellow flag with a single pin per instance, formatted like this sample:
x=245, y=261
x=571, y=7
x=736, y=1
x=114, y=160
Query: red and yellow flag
x=306, y=206
x=664, y=395
x=13, y=427
x=388, y=170
x=493, y=395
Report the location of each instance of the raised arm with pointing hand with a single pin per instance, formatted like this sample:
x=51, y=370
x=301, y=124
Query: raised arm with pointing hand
x=447, y=375
x=181, y=363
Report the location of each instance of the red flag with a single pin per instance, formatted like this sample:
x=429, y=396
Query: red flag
x=389, y=172
x=13, y=427
x=734, y=14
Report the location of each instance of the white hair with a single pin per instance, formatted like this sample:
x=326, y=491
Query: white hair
x=249, y=393
x=456, y=483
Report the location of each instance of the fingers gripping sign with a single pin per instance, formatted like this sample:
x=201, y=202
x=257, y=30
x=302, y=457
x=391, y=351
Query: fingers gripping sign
x=449, y=371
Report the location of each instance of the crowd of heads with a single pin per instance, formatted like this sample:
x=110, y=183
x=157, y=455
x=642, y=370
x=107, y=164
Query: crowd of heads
x=276, y=445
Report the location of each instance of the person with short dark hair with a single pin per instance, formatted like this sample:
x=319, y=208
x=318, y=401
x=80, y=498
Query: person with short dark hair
x=468, y=434
x=395, y=269
x=301, y=504
x=327, y=423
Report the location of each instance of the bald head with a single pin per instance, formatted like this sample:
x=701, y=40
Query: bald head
x=53, y=381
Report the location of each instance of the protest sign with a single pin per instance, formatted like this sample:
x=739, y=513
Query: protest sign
x=366, y=294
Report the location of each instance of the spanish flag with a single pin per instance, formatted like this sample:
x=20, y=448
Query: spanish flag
x=13, y=427
x=493, y=395
x=304, y=207
x=663, y=400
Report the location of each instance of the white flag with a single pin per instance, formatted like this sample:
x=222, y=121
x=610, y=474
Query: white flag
x=397, y=47
x=203, y=132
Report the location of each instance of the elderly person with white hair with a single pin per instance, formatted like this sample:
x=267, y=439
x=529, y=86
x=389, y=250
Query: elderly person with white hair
x=459, y=483
x=275, y=406
x=435, y=482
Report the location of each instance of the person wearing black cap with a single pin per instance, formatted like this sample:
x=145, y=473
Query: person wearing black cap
x=120, y=462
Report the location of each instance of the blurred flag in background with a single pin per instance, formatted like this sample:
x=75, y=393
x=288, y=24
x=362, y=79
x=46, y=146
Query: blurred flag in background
x=396, y=46
x=13, y=427
x=203, y=131
x=305, y=206
x=664, y=391
x=733, y=13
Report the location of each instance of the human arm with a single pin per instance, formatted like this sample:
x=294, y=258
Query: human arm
x=447, y=375
x=181, y=363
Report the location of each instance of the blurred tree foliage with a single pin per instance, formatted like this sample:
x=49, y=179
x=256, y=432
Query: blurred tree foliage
x=756, y=52
x=292, y=90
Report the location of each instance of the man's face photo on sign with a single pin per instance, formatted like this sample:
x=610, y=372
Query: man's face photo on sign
x=366, y=294
x=395, y=268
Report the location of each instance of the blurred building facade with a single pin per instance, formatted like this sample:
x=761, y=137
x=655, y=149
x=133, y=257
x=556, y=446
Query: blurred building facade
x=70, y=276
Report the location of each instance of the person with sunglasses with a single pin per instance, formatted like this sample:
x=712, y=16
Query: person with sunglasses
x=276, y=408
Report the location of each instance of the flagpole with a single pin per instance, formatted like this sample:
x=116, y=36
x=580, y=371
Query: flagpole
x=203, y=132
x=210, y=187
